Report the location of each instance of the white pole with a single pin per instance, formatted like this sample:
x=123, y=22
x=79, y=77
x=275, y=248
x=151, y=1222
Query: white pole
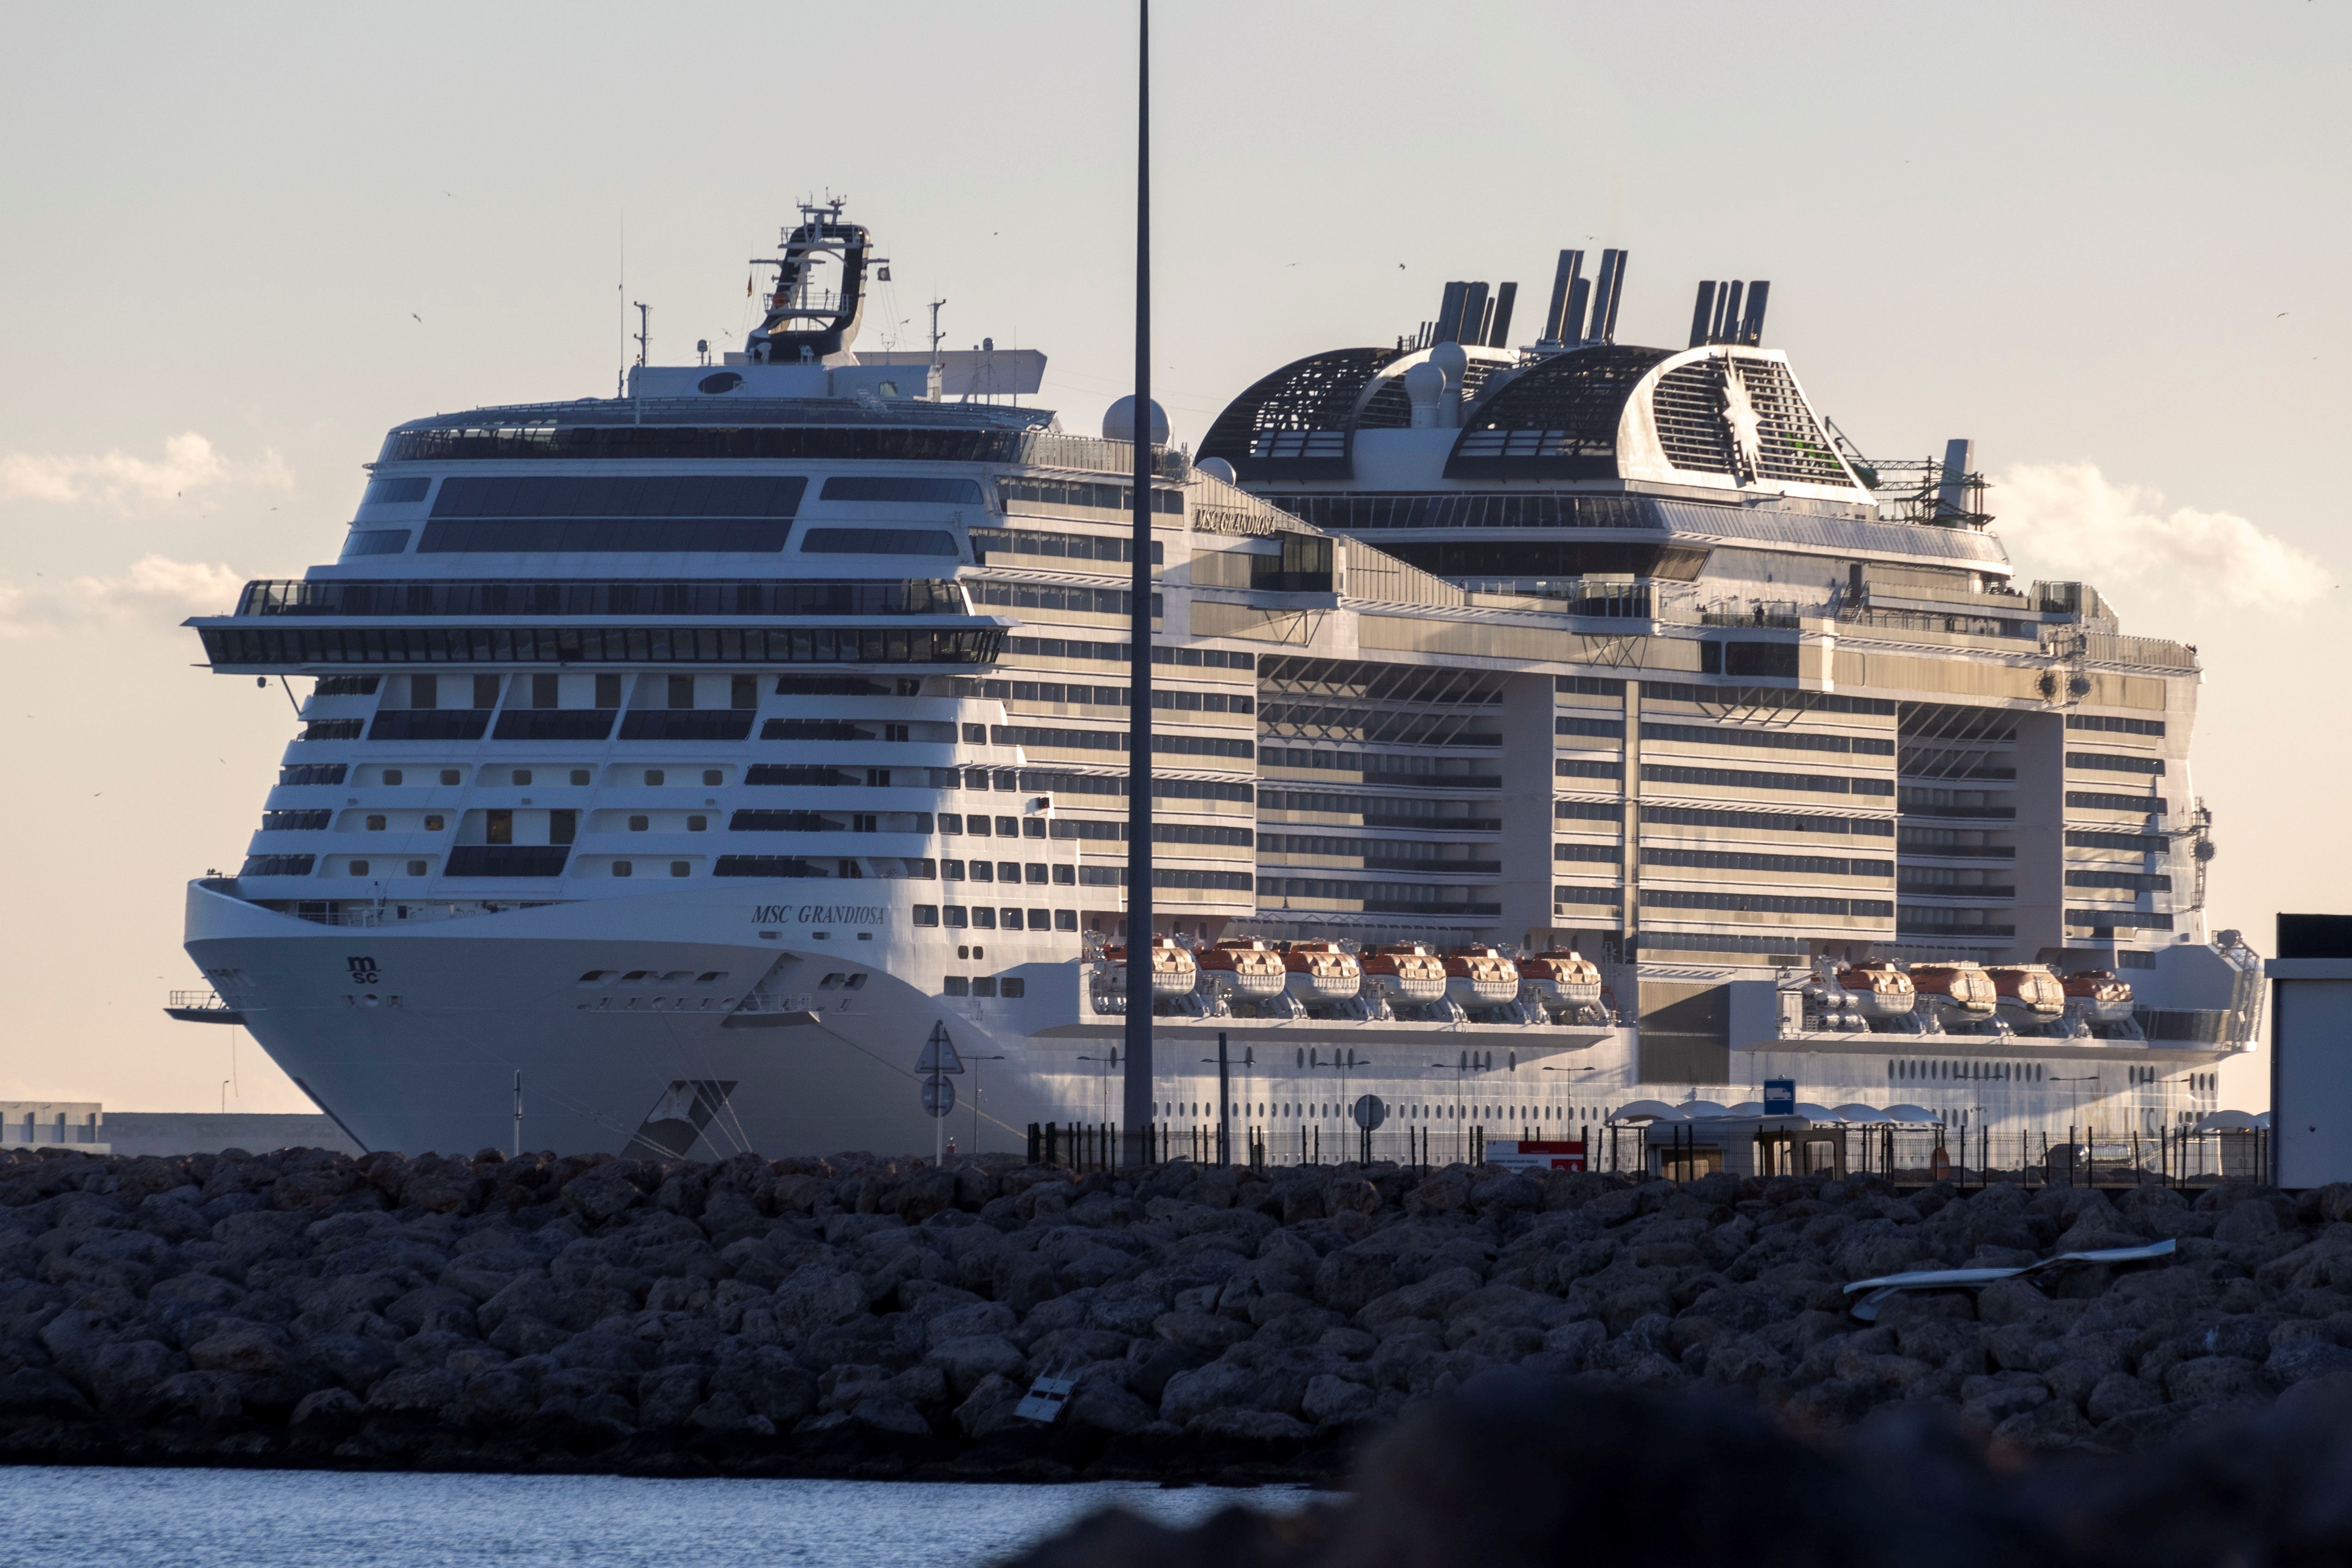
x=518, y=1114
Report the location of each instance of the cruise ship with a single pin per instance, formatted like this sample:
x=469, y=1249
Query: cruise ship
x=1543, y=731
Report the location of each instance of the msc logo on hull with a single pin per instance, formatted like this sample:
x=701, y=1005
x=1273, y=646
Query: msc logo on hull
x=363, y=971
x=820, y=914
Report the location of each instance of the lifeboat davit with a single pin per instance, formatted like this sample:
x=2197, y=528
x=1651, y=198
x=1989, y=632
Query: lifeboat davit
x=2098, y=994
x=1480, y=976
x=1248, y=970
x=1879, y=990
x=1174, y=972
x=1562, y=979
x=1962, y=989
x=1322, y=971
x=2026, y=993
x=1405, y=972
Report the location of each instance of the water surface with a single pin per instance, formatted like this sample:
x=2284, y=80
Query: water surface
x=310, y=1518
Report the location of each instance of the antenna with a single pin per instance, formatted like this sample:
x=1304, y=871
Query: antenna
x=645, y=317
x=935, y=330
x=1137, y=1098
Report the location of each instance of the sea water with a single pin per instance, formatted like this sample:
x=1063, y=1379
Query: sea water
x=312, y=1519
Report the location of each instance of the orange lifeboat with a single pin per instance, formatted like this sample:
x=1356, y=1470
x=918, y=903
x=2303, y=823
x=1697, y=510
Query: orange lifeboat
x=1963, y=989
x=1879, y=990
x=1405, y=972
x=1249, y=970
x=2098, y=994
x=1322, y=971
x=1174, y=972
x=1562, y=979
x=2026, y=993
x=1480, y=976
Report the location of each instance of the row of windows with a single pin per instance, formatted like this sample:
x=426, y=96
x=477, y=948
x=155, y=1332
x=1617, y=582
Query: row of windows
x=1954, y=882
x=895, y=596
x=878, y=541
x=489, y=441
x=1730, y=778
x=602, y=536
x=1086, y=493
x=314, y=773
x=2092, y=800
x=1397, y=853
x=1938, y=920
x=919, y=489
x=1764, y=821
x=1588, y=685
x=1604, y=897
x=1120, y=652
x=1608, y=728
x=2105, y=761
x=1762, y=903
x=1118, y=740
x=1069, y=601
x=1167, y=876
x=2017, y=1072
x=987, y=984
x=1067, y=546
x=1598, y=854
x=2132, y=843
x=1351, y=512
x=1587, y=811
x=616, y=495
x=1453, y=773
x=956, y=917
x=1036, y=872
x=2117, y=726
x=1728, y=696
x=1769, y=660
x=1114, y=696
x=2133, y=882
x=1116, y=832
x=1115, y=783
x=1379, y=897
x=236, y=646
x=1379, y=811
x=1572, y=768
x=1777, y=740
x=1787, y=865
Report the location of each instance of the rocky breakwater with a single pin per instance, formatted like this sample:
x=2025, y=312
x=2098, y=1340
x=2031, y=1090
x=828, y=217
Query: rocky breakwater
x=860, y=1316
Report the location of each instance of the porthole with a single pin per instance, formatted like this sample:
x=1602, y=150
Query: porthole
x=719, y=382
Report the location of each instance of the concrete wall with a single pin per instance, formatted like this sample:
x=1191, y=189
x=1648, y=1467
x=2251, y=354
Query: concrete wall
x=135, y=1132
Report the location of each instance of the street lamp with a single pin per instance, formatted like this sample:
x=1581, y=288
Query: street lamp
x=1103, y=1066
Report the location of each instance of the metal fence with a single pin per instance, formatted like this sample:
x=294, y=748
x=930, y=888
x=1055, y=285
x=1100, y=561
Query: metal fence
x=1905, y=1156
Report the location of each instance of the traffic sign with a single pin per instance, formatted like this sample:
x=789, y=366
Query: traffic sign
x=938, y=1096
x=938, y=1053
x=1370, y=1113
x=1780, y=1097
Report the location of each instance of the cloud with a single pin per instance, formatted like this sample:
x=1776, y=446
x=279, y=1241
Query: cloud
x=190, y=463
x=2068, y=521
x=156, y=592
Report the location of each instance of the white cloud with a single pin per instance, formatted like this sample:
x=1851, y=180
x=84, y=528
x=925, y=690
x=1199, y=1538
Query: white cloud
x=116, y=478
x=2068, y=521
x=156, y=592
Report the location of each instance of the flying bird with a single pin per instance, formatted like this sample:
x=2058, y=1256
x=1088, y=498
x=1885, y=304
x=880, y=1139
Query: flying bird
x=418, y=319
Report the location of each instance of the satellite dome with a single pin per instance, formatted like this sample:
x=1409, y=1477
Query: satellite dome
x=1216, y=469
x=1119, y=424
x=1452, y=360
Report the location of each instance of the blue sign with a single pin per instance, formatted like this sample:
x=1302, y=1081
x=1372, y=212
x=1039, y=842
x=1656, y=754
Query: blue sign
x=1780, y=1097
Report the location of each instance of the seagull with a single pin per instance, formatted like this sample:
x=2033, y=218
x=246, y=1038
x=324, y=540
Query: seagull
x=418, y=319
x=2281, y=313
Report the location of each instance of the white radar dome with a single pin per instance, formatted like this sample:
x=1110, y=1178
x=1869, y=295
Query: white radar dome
x=1119, y=425
x=1216, y=469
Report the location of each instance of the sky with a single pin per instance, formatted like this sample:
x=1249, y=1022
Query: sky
x=242, y=240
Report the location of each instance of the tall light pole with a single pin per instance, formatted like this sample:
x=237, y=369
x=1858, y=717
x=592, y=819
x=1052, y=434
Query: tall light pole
x=1137, y=1101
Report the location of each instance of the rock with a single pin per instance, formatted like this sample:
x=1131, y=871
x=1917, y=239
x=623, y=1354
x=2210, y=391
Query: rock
x=2120, y=1393
x=970, y=1359
x=1107, y=1406
x=247, y=1348
x=989, y=1407
x=414, y=1393
x=1251, y=1427
x=2209, y=1379
x=884, y=1413
x=1201, y=1331
x=603, y=1193
x=330, y=1410
x=1329, y=1398
x=816, y=1296
x=2300, y=1360
x=1215, y=1386
x=121, y=1377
